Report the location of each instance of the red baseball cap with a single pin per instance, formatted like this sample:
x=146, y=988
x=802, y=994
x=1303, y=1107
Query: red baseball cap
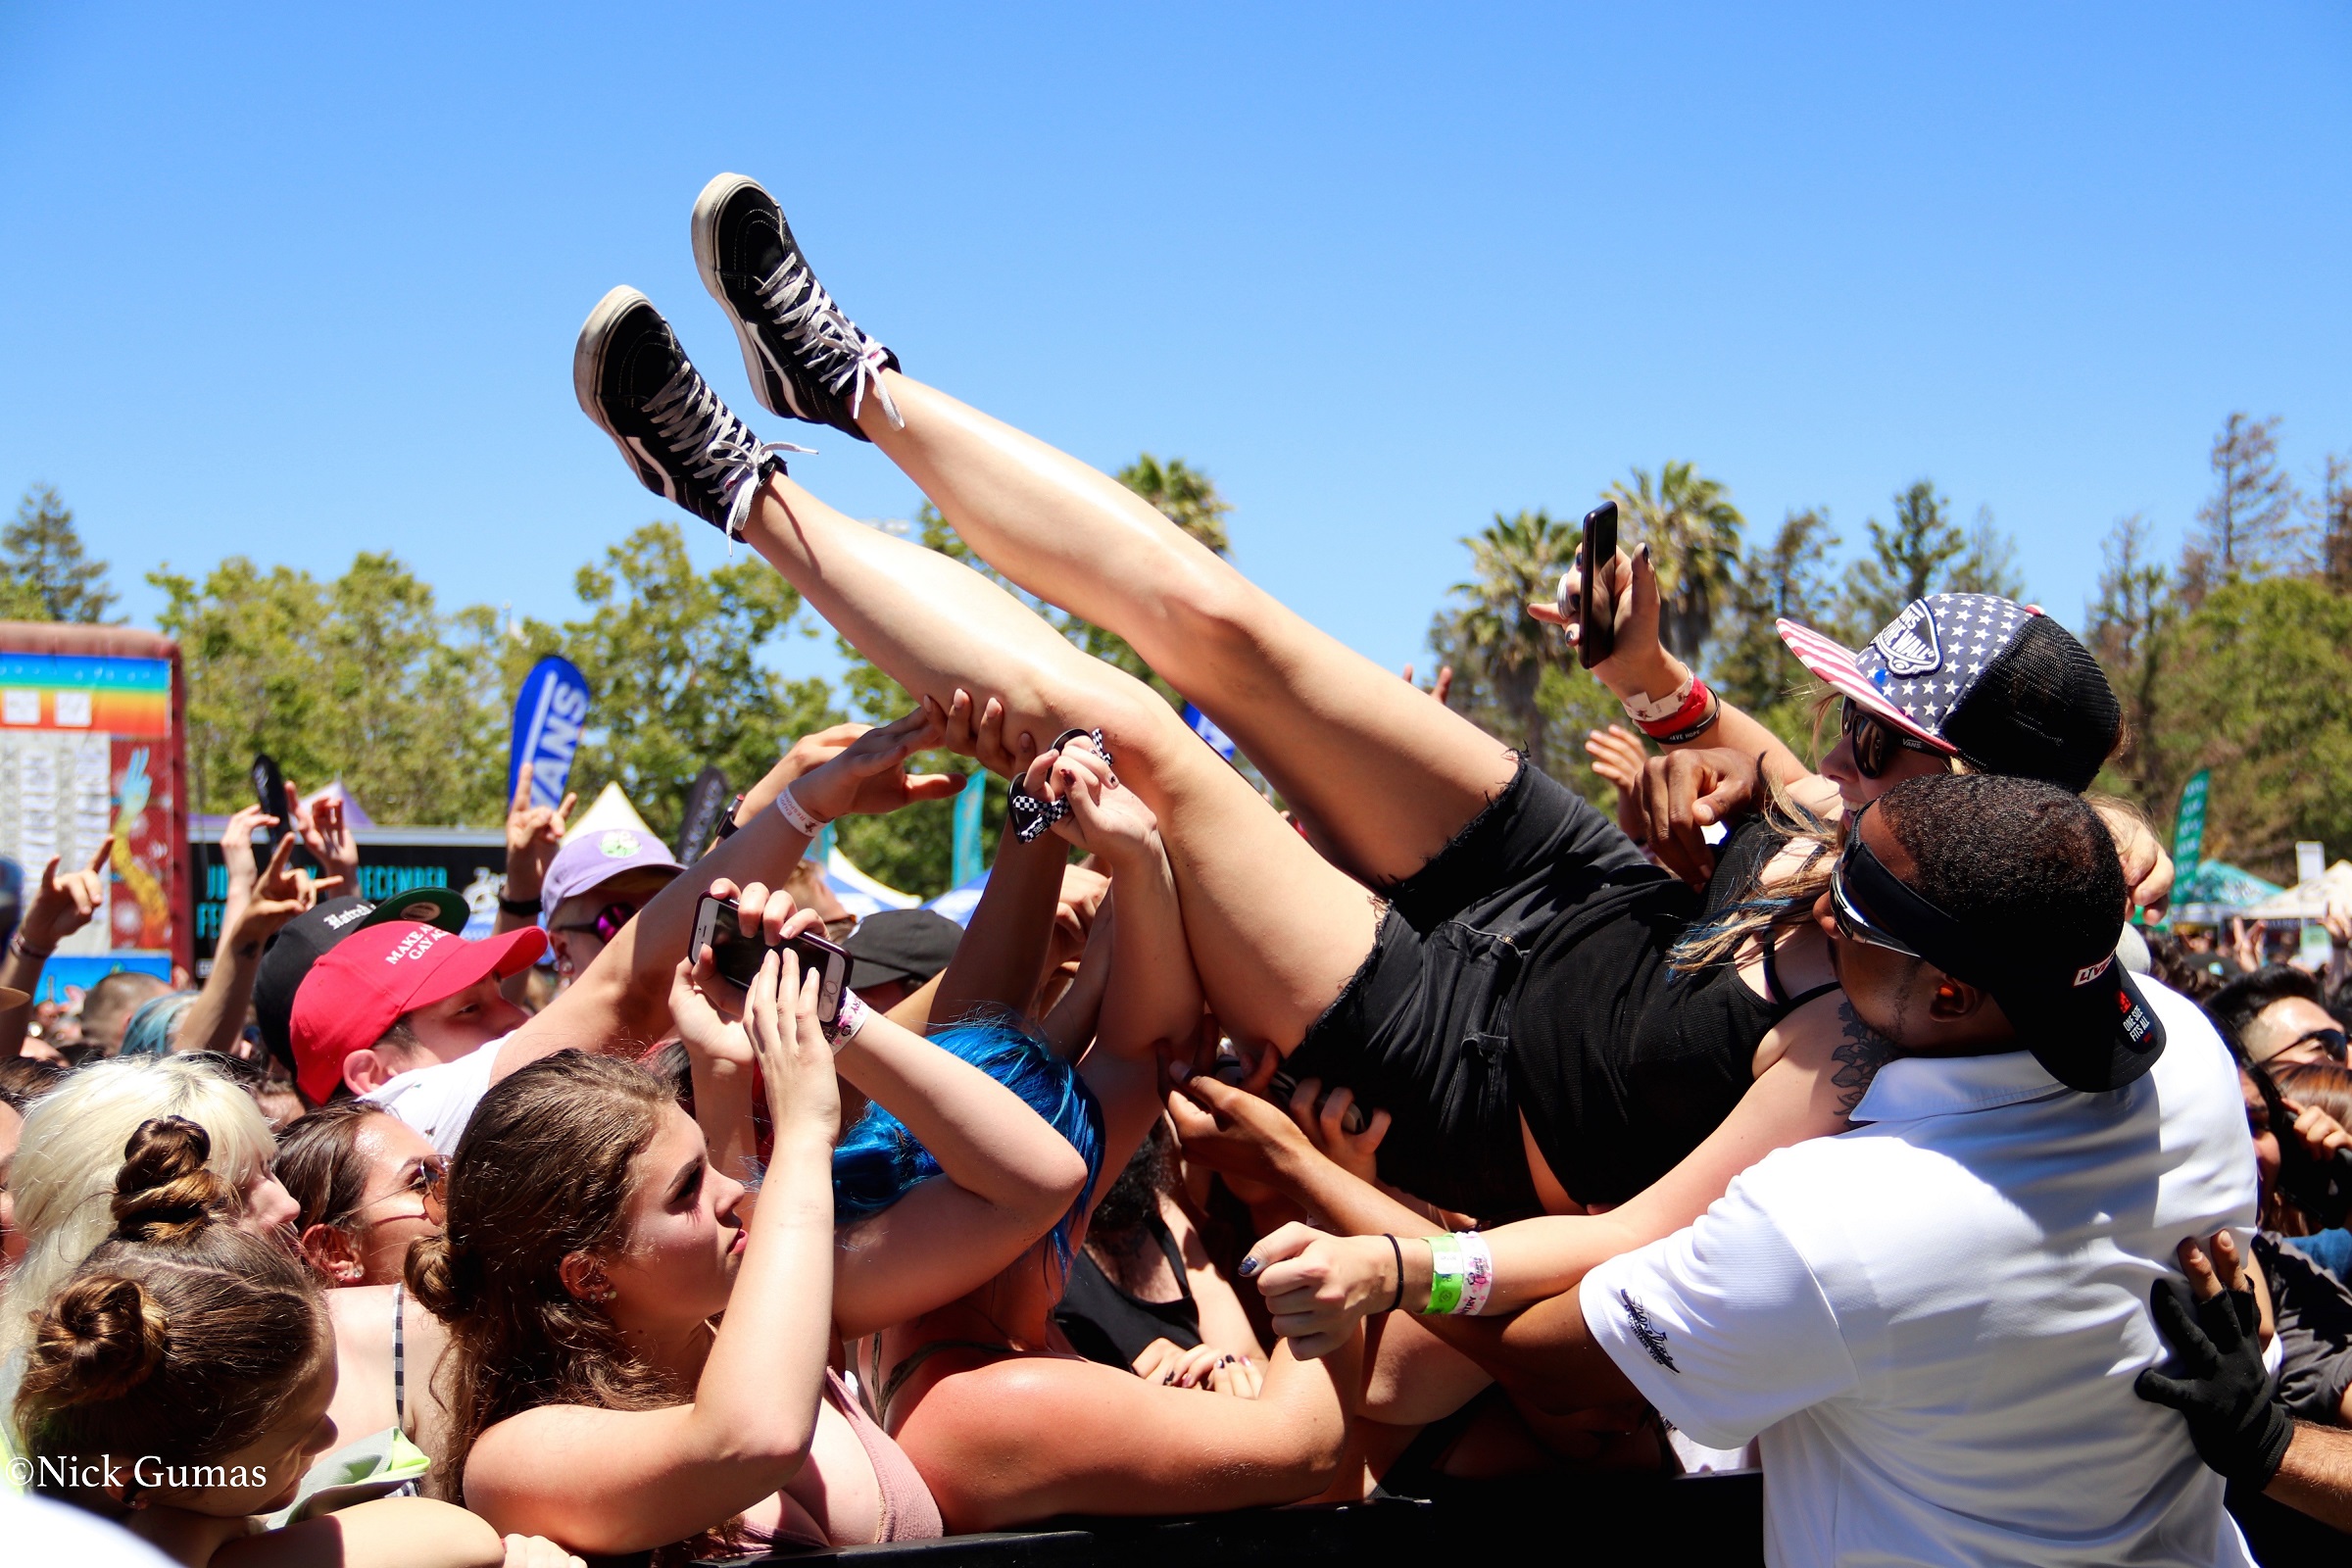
x=366, y=982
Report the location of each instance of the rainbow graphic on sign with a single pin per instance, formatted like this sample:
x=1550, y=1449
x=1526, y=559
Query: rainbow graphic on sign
x=125, y=696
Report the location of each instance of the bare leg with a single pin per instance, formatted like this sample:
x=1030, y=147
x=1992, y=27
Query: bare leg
x=1388, y=775
x=1275, y=930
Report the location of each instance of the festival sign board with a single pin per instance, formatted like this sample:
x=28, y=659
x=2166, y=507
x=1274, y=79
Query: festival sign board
x=92, y=744
x=2189, y=826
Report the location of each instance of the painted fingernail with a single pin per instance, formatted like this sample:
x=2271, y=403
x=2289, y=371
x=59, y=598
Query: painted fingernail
x=1249, y=1266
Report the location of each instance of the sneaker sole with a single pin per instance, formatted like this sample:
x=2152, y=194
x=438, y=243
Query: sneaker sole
x=588, y=361
x=704, y=227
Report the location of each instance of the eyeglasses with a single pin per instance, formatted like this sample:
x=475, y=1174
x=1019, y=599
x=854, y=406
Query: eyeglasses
x=430, y=1184
x=2334, y=1042
x=1875, y=741
x=607, y=922
x=1852, y=923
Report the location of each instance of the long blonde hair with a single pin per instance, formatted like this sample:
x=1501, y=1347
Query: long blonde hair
x=72, y=1147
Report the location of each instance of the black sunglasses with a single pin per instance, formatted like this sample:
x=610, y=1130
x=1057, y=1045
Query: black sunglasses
x=1852, y=925
x=2334, y=1042
x=1875, y=741
x=607, y=922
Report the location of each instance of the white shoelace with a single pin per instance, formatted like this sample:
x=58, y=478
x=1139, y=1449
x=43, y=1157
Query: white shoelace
x=798, y=305
x=713, y=446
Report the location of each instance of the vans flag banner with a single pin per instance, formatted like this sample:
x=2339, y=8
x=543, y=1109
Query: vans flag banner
x=549, y=711
x=965, y=853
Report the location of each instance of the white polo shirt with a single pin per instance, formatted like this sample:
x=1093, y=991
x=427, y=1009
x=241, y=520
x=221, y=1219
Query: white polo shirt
x=1933, y=1321
x=439, y=1100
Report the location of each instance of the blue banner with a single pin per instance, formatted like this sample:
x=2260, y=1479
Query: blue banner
x=1205, y=727
x=549, y=711
x=965, y=862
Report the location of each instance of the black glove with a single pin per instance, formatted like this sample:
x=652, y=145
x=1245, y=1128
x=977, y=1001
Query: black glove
x=2238, y=1429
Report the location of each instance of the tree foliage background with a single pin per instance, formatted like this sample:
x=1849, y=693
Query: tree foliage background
x=2234, y=656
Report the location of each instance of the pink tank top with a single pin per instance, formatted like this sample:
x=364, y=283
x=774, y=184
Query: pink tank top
x=908, y=1512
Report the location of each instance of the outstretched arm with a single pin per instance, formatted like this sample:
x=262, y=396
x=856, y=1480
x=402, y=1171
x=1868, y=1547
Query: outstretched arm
x=621, y=1002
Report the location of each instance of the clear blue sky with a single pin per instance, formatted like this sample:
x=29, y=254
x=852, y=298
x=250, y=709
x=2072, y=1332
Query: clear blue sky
x=296, y=282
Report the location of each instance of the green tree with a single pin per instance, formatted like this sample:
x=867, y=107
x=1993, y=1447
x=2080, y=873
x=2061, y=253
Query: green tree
x=1499, y=651
x=2257, y=685
x=2247, y=526
x=44, y=574
x=1184, y=495
x=1692, y=531
x=1789, y=579
x=1987, y=562
x=359, y=678
x=2336, y=525
x=1924, y=551
x=672, y=657
x=2127, y=627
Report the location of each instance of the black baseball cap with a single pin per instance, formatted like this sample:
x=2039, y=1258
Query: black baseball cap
x=2081, y=1013
x=1993, y=682
x=300, y=942
x=909, y=945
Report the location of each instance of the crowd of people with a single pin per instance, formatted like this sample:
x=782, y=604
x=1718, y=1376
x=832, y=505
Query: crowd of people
x=1418, y=1127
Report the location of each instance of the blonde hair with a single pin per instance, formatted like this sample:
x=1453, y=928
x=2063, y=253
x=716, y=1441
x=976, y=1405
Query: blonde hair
x=72, y=1147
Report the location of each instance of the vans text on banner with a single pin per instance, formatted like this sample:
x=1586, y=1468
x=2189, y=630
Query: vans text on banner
x=549, y=711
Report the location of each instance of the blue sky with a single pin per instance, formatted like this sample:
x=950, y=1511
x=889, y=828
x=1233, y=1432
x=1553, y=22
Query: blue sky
x=301, y=282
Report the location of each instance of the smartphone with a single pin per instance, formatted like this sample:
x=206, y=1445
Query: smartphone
x=1283, y=1085
x=269, y=791
x=738, y=957
x=1596, y=612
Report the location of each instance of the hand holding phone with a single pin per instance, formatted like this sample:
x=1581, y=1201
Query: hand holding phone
x=1596, y=580
x=737, y=958
x=269, y=791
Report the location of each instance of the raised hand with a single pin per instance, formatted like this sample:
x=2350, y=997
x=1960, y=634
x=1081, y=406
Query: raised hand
x=2215, y=1377
x=1104, y=819
x=977, y=731
x=66, y=902
x=328, y=838
x=704, y=1011
x=534, y=833
x=1636, y=654
x=1234, y=1129
x=865, y=777
x=279, y=895
x=1617, y=757
x=797, y=1064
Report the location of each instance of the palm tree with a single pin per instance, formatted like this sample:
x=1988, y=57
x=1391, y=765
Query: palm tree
x=1692, y=531
x=1513, y=559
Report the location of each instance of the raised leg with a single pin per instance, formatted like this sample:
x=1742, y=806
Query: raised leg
x=1386, y=774
x=1275, y=930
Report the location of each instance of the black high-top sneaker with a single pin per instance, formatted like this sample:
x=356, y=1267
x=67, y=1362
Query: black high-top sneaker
x=806, y=359
x=634, y=382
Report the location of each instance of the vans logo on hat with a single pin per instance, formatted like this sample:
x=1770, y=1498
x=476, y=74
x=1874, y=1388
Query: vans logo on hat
x=416, y=943
x=617, y=845
x=1909, y=644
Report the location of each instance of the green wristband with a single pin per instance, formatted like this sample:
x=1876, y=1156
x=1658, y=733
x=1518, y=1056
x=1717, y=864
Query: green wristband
x=1448, y=1271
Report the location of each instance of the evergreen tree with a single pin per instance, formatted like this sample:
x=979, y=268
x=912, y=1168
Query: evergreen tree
x=1908, y=558
x=2125, y=629
x=1789, y=579
x=2247, y=526
x=43, y=572
x=2336, y=525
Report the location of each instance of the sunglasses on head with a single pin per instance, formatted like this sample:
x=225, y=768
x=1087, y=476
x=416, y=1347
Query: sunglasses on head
x=607, y=922
x=1852, y=925
x=1875, y=741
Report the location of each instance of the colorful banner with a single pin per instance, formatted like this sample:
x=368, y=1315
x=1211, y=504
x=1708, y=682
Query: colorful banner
x=549, y=711
x=1206, y=728
x=113, y=696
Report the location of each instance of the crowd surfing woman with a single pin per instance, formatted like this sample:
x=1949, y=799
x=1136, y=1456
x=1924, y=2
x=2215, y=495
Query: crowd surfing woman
x=178, y=1383
x=1006, y=1422
x=1512, y=997
x=596, y=1232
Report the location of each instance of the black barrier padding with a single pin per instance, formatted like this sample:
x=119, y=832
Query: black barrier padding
x=1713, y=1519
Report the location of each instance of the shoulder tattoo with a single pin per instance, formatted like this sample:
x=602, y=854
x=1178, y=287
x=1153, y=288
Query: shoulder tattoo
x=1859, y=1057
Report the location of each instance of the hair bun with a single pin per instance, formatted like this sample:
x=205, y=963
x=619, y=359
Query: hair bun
x=102, y=1338
x=164, y=1190
x=431, y=1273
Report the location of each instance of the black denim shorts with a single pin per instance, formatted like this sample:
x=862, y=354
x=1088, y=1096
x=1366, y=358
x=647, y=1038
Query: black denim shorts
x=1423, y=1028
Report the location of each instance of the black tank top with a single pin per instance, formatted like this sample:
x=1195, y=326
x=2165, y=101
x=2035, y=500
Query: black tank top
x=1104, y=1324
x=1621, y=1066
